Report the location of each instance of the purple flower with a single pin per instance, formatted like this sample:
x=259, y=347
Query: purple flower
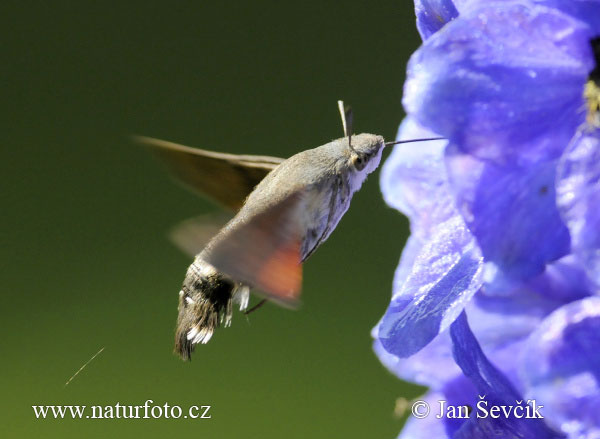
x=504, y=216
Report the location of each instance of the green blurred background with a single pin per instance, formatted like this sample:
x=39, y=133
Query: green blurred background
x=85, y=258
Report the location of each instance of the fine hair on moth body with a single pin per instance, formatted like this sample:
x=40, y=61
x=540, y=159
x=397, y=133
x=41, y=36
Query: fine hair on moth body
x=283, y=210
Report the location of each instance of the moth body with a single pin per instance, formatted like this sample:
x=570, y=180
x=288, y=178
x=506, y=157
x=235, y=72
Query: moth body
x=284, y=210
x=287, y=216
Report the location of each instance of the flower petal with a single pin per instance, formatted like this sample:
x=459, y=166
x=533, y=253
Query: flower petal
x=563, y=281
x=414, y=181
x=518, y=313
x=432, y=15
x=561, y=367
x=511, y=211
x=444, y=277
x=428, y=427
x=494, y=387
x=587, y=11
x=411, y=250
x=578, y=196
x=504, y=80
x=432, y=366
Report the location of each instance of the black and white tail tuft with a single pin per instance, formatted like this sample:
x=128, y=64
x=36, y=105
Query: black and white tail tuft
x=205, y=303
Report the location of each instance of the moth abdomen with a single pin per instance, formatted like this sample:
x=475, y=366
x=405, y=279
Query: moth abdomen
x=205, y=303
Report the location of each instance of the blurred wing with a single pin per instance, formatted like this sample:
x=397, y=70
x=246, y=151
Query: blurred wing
x=225, y=178
x=192, y=235
x=264, y=251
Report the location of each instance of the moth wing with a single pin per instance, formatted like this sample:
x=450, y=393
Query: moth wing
x=225, y=178
x=191, y=235
x=265, y=251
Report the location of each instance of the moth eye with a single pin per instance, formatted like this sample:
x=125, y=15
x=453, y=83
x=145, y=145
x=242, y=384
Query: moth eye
x=358, y=162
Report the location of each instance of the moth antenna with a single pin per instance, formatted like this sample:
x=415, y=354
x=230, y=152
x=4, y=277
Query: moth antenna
x=346, y=115
x=414, y=140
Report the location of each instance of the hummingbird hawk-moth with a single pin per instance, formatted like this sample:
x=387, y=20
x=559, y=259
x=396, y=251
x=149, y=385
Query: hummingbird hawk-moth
x=284, y=210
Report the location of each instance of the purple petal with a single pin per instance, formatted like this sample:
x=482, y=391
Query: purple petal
x=502, y=323
x=432, y=366
x=563, y=281
x=428, y=427
x=432, y=15
x=503, y=81
x=511, y=211
x=494, y=387
x=459, y=392
x=561, y=367
x=587, y=11
x=445, y=276
x=578, y=195
x=411, y=250
x=518, y=315
x=414, y=181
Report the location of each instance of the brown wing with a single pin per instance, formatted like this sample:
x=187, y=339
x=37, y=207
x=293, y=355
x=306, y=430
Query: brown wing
x=225, y=178
x=192, y=235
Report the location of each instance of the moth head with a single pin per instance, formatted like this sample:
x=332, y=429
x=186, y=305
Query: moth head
x=365, y=152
